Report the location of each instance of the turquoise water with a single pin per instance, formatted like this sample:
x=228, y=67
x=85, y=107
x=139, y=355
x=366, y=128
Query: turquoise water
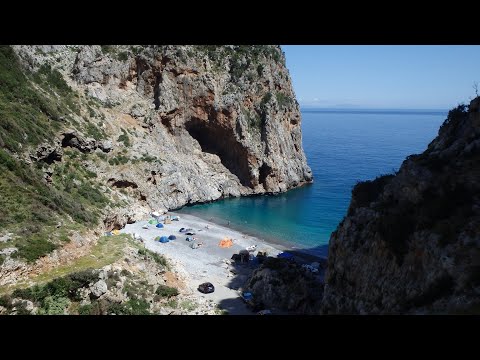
x=342, y=147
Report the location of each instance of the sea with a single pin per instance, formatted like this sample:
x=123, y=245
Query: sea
x=343, y=147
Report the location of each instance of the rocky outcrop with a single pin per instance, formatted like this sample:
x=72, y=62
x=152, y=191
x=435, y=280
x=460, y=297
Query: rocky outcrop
x=186, y=124
x=411, y=241
x=286, y=286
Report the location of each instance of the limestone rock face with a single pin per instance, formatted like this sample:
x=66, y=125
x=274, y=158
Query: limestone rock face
x=411, y=241
x=99, y=288
x=194, y=123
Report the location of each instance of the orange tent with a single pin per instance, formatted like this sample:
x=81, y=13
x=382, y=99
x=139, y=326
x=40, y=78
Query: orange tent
x=225, y=243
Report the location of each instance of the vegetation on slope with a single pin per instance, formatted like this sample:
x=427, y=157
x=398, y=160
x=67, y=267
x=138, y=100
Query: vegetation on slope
x=32, y=108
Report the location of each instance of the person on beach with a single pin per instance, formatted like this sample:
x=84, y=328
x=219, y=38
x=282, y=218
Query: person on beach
x=229, y=223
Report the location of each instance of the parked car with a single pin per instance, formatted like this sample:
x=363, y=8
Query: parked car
x=206, y=288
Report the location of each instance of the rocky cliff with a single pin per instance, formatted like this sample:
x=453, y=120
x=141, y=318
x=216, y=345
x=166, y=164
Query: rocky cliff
x=176, y=125
x=410, y=242
x=93, y=137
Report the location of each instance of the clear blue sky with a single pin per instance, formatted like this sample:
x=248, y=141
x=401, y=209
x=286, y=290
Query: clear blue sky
x=415, y=77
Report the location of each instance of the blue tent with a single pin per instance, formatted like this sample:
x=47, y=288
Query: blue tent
x=285, y=255
x=163, y=239
x=159, y=225
x=172, y=237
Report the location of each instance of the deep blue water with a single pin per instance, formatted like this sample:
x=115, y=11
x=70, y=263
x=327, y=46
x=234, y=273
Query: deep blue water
x=342, y=148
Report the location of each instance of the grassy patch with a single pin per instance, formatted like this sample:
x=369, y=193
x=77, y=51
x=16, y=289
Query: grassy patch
x=172, y=303
x=95, y=132
x=107, y=250
x=188, y=305
x=159, y=259
x=119, y=160
x=27, y=116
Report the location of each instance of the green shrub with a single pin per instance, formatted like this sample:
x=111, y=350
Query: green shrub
x=166, y=291
x=54, y=305
x=260, y=69
x=123, y=56
x=6, y=301
x=34, y=248
x=283, y=100
x=55, y=79
x=85, y=309
x=124, y=138
x=131, y=307
x=108, y=49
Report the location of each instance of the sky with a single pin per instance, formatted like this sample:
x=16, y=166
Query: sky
x=393, y=76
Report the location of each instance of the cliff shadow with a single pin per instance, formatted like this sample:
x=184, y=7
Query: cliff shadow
x=242, y=274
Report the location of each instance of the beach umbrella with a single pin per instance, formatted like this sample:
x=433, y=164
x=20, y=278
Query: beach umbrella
x=225, y=243
x=172, y=237
x=163, y=239
x=152, y=221
x=159, y=225
x=157, y=238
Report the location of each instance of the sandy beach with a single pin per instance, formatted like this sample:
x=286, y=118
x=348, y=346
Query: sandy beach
x=209, y=262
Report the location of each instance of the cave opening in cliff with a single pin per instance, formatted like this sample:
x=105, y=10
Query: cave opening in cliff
x=219, y=140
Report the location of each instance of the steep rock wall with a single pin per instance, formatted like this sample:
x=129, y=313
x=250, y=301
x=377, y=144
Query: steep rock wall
x=410, y=242
x=183, y=124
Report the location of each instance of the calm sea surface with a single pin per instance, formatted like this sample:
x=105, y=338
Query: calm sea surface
x=342, y=147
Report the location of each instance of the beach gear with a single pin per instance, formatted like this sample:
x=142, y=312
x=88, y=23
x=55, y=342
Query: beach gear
x=152, y=221
x=159, y=226
x=182, y=230
x=189, y=238
x=172, y=237
x=167, y=221
x=116, y=232
x=164, y=239
x=225, y=243
x=251, y=248
x=176, y=218
x=145, y=226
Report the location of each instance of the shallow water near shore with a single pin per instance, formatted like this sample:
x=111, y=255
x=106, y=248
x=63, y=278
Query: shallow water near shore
x=342, y=148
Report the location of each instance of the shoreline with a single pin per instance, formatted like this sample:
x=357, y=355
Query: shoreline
x=209, y=262
x=318, y=255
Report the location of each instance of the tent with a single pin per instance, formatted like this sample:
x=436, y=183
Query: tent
x=152, y=221
x=164, y=239
x=155, y=214
x=159, y=226
x=225, y=243
x=182, y=230
x=116, y=232
x=167, y=221
x=157, y=238
x=189, y=238
x=285, y=255
x=172, y=237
